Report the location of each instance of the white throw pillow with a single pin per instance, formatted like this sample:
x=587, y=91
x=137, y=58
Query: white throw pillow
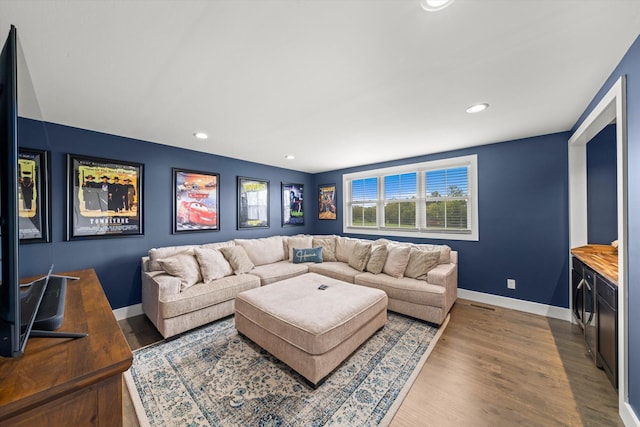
x=397, y=260
x=238, y=258
x=420, y=263
x=184, y=266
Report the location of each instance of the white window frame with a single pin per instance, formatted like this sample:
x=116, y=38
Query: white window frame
x=470, y=161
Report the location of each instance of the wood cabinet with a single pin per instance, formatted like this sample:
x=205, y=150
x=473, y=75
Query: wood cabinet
x=69, y=382
x=595, y=303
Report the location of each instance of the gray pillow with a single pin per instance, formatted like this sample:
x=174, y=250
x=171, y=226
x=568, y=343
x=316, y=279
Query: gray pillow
x=213, y=264
x=184, y=266
x=359, y=256
x=420, y=263
x=328, y=246
x=377, y=259
x=238, y=258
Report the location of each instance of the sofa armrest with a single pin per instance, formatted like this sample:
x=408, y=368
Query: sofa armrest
x=445, y=275
x=145, y=264
x=157, y=286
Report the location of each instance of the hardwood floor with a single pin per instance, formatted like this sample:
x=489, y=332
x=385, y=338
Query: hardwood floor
x=491, y=367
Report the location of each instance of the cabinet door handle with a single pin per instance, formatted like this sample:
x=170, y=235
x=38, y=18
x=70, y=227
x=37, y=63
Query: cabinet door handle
x=582, y=282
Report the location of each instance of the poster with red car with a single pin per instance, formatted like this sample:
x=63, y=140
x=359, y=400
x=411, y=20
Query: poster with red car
x=195, y=201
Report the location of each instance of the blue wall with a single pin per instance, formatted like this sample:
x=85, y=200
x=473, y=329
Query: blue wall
x=602, y=197
x=523, y=219
x=117, y=260
x=630, y=66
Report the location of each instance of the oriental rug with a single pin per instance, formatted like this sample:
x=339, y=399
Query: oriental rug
x=214, y=377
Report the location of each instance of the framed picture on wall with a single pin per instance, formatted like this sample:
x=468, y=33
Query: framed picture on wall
x=253, y=203
x=292, y=206
x=195, y=201
x=33, y=196
x=327, y=201
x=104, y=198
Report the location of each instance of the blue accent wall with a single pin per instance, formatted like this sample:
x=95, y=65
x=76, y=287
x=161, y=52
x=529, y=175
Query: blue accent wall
x=117, y=260
x=630, y=66
x=523, y=219
x=602, y=197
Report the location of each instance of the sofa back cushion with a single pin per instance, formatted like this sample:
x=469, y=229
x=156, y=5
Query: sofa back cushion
x=219, y=245
x=213, y=265
x=344, y=248
x=263, y=251
x=298, y=242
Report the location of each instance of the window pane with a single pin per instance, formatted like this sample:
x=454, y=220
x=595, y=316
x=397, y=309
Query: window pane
x=364, y=189
x=447, y=214
x=364, y=215
x=447, y=182
x=400, y=186
x=400, y=214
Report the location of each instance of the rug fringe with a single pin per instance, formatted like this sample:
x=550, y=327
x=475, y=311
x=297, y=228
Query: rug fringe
x=407, y=386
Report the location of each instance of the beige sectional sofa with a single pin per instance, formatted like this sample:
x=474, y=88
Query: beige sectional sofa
x=187, y=286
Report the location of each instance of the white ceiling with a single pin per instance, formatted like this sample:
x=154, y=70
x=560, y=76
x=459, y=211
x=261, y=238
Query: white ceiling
x=337, y=83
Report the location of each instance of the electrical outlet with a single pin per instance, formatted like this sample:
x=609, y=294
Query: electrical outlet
x=511, y=283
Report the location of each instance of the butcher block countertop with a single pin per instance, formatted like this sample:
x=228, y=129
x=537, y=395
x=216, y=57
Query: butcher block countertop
x=602, y=258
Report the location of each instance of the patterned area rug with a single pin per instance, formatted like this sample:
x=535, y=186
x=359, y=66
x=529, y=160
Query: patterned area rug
x=214, y=377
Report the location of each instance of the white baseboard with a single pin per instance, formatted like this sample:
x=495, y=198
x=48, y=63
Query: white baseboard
x=129, y=311
x=629, y=417
x=516, y=304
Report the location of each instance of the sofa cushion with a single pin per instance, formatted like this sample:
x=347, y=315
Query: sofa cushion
x=445, y=251
x=377, y=259
x=328, y=245
x=344, y=248
x=360, y=255
x=184, y=266
x=397, y=260
x=277, y=271
x=420, y=263
x=158, y=253
x=337, y=270
x=405, y=289
x=205, y=295
x=213, y=265
x=299, y=242
x=219, y=245
x=238, y=258
x=263, y=251
x=307, y=255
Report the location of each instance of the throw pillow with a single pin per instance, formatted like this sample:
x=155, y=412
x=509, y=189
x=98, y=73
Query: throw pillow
x=344, y=247
x=377, y=259
x=184, y=266
x=397, y=260
x=307, y=255
x=300, y=242
x=359, y=256
x=328, y=246
x=238, y=258
x=420, y=263
x=213, y=264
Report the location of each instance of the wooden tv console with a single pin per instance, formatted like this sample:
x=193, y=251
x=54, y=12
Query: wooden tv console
x=70, y=382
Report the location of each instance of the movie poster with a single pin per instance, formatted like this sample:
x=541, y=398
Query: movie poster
x=327, y=201
x=292, y=206
x=33, y=206
x=105, y=197
x=195, y=206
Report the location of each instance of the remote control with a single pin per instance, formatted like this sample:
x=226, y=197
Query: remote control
x=322, y=287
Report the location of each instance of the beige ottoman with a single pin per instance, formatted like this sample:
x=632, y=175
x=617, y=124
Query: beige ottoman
x=309, y=329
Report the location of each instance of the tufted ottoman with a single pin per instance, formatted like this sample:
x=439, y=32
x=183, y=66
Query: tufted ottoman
x=310, y=329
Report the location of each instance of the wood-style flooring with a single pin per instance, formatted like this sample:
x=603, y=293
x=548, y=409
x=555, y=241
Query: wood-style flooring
x=491, y=367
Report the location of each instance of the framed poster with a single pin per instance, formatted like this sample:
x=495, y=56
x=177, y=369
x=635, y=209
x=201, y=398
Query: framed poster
x=327, y=201
x=104, y=198
x=195, y=201
x=33, y=196
x=292, y=206
x=253, y=203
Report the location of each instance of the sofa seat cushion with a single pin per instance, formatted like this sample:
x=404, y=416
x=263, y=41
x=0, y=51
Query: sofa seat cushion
x=275, y=272
x=337, y=270
x=204, y=295
x=405, y=289
x=310, y=319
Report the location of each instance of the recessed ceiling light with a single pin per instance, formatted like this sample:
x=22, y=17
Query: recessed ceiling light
x=435, y=5
x=477, y=108
x=289, y=157
x=201, y=135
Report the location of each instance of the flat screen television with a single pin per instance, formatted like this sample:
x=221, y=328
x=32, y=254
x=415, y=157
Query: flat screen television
x=41, y=302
